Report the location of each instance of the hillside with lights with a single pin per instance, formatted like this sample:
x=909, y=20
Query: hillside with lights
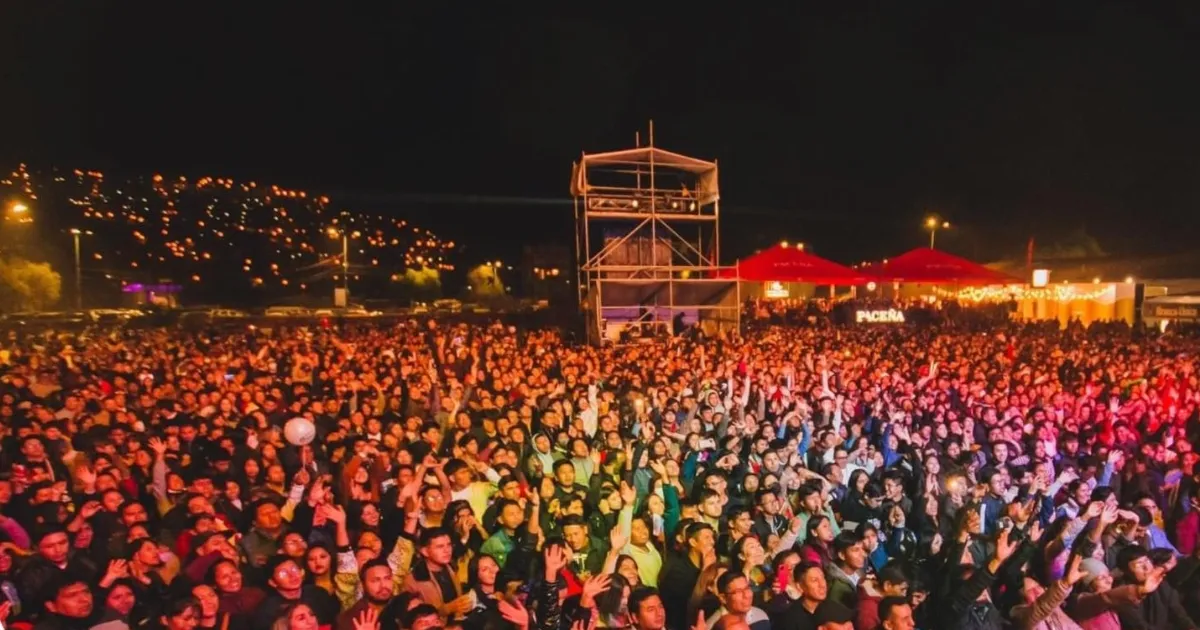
x=215, y=236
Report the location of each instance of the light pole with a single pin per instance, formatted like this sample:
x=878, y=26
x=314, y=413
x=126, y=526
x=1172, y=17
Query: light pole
x=335, y=232
x=933, y=224
x=76, y=233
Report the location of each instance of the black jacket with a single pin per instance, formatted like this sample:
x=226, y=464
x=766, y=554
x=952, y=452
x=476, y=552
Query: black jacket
x=963, y=611
x=678, y=578
x=1160, y=610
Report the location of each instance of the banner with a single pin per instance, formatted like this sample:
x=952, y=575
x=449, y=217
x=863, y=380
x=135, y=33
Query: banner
x=1173, y=312
x=889, y=316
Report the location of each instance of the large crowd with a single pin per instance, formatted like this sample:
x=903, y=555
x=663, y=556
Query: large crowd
x=485, y=478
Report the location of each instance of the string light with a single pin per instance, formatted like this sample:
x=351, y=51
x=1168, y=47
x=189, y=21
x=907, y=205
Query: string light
x=1058, y=293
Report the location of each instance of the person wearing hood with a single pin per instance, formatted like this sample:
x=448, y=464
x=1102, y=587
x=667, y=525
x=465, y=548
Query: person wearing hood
x=540, y=462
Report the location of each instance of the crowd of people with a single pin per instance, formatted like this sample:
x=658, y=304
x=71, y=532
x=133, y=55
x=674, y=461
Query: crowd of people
x=430, y=475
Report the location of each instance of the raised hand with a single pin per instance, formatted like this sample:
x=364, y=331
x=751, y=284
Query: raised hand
x=368, y=619
x=555, y=558
x=659, y=469
x=617, y=539
x=594, y=586
x=1153, y=580
x=335, y=513
x=1035, y=531
x=87, y=476
x=514, y=613
x=117, y=569
x=158, y=446
x=1074, y=572
x=1004, y=549
x=629, y=493
x=301, y=478
x=90, y=509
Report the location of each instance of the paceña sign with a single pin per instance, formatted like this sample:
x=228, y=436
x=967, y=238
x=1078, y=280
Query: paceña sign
x=890, y=316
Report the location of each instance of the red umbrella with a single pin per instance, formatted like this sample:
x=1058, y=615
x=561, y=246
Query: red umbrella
x=792, y=264
x=930, y=266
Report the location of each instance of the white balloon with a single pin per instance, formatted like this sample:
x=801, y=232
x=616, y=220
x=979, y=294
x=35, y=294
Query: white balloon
x=299, y=431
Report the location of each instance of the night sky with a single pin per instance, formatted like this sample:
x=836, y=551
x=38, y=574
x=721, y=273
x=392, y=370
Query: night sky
x=834, y=126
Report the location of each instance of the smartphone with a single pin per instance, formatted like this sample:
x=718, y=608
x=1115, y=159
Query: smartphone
x=781, y=581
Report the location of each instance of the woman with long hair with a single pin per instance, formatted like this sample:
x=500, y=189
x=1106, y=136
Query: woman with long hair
x=817, y=547
x=482, y=572
x=627, y=568
x=227, y=579
x=209, y=609
x=297, y=616
x=612, y=605
x=750, y=559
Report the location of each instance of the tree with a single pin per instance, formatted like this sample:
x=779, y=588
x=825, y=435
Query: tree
x=422, y=284
x=28, y=286
x=484, y=283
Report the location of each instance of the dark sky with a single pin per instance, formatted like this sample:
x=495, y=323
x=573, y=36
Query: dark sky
x=838, y=126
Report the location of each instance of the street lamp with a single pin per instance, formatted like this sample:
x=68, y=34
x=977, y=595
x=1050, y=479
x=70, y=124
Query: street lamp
x=933, y=224
x=18, y=212
x=76, y=233
x=334, y=233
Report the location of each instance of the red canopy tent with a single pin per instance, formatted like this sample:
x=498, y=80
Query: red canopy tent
x=930, y=266
x=792, y=264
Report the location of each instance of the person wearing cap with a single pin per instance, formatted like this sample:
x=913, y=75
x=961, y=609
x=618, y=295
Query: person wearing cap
x=1041, y=607
x=1096, y=606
